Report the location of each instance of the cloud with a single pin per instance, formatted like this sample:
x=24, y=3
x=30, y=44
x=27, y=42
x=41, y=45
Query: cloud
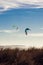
x=22, y=34
x=8, y=31
x=9, y=4
x=30, y=35
x=34, y=35
x=41, y=28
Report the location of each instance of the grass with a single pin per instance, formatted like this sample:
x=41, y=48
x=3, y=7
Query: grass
x=32, y=56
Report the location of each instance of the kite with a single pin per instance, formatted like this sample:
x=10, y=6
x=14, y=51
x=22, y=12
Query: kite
x=27, y=30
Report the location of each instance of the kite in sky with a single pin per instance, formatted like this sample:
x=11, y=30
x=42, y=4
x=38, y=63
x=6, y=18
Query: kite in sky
x=27, y=30
x=15, y=27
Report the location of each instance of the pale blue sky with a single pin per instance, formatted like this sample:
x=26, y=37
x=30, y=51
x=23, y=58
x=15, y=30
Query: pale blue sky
x=32, y=18
x=22, y=18
x=23, y=14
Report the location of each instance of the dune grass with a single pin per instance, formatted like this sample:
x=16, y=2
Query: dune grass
x=32, y=56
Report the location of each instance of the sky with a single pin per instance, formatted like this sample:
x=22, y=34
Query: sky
x=22, y=14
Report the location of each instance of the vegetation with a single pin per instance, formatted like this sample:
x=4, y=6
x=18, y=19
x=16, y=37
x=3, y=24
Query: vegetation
x=21, y=57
